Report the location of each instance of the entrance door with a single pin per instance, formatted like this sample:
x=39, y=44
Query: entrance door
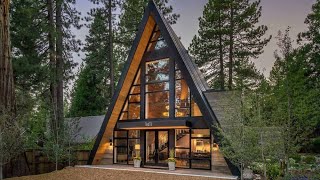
x=157, y=147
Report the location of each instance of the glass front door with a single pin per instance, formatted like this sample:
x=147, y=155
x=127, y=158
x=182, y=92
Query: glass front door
x=157, y=147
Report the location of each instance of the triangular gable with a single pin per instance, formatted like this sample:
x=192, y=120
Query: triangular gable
x=191, y=73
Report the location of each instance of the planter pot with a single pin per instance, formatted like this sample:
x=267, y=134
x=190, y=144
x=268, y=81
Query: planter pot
x=136, y=163
x=172, y=166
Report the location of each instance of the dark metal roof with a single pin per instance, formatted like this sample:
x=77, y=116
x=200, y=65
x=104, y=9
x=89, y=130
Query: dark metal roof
x=225, y=104
x=87, y=128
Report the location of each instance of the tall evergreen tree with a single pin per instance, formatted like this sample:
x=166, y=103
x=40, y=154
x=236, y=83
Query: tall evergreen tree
x=7, y=102
x=292, y=99
x=227, y=40
x=94, y=86
x=91, y=93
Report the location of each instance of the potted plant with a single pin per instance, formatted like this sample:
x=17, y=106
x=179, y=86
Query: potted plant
x=137, y=161
x=171, y=160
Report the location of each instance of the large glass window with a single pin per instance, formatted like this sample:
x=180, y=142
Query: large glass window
x=120, y=147
x=126, y=146
x=131, y=108
x=157, y=89
x=200, y=149
x=182, y=147
x=185, y=106
x=192, y=149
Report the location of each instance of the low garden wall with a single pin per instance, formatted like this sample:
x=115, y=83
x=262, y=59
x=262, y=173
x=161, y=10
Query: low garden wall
x=33, y=162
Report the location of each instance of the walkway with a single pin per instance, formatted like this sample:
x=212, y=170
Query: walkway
x=178, y=171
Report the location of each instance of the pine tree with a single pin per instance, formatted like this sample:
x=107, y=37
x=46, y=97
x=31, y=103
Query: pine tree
x=91, y=94
x=7, y=102
x=227, y=40
x=292, y=99
x=42, y=53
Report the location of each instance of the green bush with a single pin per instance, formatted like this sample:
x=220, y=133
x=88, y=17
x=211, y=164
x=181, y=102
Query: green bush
x=257, y=167
x=273, y=171
x=296, y=157
x=309, y=159
x=315, y=145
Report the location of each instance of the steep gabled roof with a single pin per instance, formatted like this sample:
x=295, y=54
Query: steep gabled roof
x=190, y=72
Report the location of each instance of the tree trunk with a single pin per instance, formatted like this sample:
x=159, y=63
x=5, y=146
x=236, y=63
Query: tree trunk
x=221, y=73
x=59, y=63
x=231, y=47
x=53, y=80
x=1, y=155
x=241, y=171
x=1, y=173
x=111, y=49
x=7, y=100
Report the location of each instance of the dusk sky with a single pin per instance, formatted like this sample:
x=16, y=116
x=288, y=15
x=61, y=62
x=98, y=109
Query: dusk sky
x=276, y=14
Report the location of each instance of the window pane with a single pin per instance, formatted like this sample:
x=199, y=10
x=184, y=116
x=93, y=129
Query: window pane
x=134, y=133
x=125, y=108
x=195, y=110
x=157, y=70
x=157, y=105
x=200, y=164
x=157, y=87
x=120, y=134
x=135, y=90
x=200, y=133
x=120, y=142
x=134, y=98
x=134, y=111
x=182, y=112
x=182, y=153
x=184, y=163
x=159, y=77
x=178, y=74
x=120, y=155
x=182, y=99
x=182, y=138
x=160, y=44
x=124, y=116
x=133, y=149
x=137, y=80
x=200, y=148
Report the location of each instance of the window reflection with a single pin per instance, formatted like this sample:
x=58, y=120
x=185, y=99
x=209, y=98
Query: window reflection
x=157, y=70
x=157, y=105
x=185, y=106
x=157, y=89
x=199, y=133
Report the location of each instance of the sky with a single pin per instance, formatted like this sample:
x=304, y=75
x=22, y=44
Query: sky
x=276, y=14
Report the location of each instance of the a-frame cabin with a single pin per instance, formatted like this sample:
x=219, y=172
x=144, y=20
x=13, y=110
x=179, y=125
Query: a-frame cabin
x=161, y=103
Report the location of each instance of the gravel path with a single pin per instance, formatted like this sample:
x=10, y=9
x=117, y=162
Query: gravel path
x=77, y=173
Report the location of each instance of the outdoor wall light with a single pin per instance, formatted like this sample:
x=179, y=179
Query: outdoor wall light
x=110, y=141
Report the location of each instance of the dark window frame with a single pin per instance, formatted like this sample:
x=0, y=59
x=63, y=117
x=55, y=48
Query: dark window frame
x=127, y=146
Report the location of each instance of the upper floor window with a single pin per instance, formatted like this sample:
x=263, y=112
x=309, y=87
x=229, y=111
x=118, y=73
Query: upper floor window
x=157, y=89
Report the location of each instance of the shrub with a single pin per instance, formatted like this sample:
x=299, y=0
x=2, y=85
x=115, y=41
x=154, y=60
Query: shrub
x=315, y=145
x=257, y=167
x=309, y=159
x=273, y=171
x=296, y=157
